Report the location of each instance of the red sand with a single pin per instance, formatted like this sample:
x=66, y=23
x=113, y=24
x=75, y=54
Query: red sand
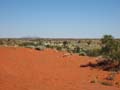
x=28, y=69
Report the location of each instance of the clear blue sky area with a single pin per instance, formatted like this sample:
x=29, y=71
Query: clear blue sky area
x=59, y=18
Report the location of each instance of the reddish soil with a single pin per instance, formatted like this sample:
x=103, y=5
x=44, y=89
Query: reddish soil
x=28, y=69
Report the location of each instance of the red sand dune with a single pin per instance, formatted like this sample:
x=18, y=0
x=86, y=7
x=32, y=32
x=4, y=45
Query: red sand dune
x=28, y=69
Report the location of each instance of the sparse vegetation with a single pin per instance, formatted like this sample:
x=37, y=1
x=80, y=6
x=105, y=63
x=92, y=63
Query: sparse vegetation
x=108, y=47
x=111, y=51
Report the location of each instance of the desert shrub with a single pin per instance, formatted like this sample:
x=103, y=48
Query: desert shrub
x=40, y=48
x=70, y=50
x=48, y=46
x=110, y=48
x=93, y=52
x=77, y=49
x=65, y=43
x=111, y=51
x=79, y=41
x=40, y=43
x=1, y=42
x=89, y=42
x=59, y=48
x=25, y=44
x=82, y=53
x=107, y=45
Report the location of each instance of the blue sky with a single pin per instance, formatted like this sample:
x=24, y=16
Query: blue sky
x=59, y=18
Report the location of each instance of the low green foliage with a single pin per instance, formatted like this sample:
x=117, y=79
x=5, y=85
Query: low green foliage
x=110, y=48
x=93, y=52
x=107, y=46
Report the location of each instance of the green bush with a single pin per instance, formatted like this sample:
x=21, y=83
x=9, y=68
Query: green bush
x=93, y=52
x=65, y=43
x=25, y=44
x=82, y=53
x=111, y=48
x=77, y=50
x=59, y=48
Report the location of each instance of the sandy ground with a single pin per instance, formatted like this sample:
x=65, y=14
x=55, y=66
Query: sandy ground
x=28, y=69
